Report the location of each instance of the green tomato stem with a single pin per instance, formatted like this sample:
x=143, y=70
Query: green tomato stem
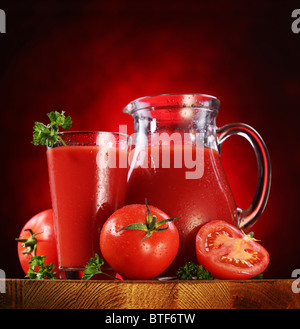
x=30, y=244
x=151, y=226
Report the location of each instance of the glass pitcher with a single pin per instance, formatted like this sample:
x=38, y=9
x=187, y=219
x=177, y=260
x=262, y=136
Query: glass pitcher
x=175, y=164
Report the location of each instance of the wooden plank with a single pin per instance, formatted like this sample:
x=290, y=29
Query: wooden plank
x=64, y=294
x=151, y=294
x=74, y=294
x=203, y=295
x=13, y=298
x=263, y=294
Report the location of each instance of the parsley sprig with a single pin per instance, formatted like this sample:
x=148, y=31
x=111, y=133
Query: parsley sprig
x=43, y=271
x=191, y=271
x=93, y=267
x=48, y=134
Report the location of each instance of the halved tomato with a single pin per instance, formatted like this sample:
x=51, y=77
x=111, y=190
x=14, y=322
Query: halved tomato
x=228, y=253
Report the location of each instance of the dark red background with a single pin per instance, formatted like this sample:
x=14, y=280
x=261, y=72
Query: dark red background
x=91, y=58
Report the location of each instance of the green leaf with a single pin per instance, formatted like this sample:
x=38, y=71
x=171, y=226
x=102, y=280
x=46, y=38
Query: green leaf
x=190, y=271
x=54, y=116
x=49, y=134
x=258, y=277
x=44, y=271
x=67, y=123
x=93, y=267
x=203, y=274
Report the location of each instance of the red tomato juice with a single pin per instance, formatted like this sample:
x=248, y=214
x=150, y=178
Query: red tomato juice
x=84, y=194
x=195, y=201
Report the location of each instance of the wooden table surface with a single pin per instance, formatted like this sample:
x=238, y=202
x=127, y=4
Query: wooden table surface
x=173, y=294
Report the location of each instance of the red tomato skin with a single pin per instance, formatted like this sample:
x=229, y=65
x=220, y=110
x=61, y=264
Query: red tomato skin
x=46, y=241
x=211, y=261
x=125, y=252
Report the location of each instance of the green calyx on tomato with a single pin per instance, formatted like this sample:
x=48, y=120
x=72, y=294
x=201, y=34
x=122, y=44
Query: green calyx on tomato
x=125, y=253
x=249, y=235
x=37, y=238
x=151, y=226
x=30, y=243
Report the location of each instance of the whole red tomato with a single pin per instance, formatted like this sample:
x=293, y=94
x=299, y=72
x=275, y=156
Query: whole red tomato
x=228, y=253
x=139, y=242
x=37, y=238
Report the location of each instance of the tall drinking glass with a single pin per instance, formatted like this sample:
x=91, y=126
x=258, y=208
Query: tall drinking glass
x=87, y=176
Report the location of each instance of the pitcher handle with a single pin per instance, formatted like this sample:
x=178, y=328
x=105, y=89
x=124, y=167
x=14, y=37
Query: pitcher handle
x=247, y=217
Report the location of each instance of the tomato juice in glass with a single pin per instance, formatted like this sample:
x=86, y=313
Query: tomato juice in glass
x=87, y=182
x=195, y=201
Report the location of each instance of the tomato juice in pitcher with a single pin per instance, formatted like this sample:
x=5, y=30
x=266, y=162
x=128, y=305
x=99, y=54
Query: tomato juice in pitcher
x=175, y=164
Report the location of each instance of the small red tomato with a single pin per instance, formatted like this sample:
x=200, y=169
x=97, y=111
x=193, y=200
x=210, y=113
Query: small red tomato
x=139, y=241
x=228, y=253
x=37, y=238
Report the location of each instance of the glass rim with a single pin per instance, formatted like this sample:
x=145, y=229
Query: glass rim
x=209, y=102
x=77, y=132
x=120, y=138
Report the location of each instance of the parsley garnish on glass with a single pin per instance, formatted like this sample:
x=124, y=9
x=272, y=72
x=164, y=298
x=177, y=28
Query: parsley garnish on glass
x=49, y=134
